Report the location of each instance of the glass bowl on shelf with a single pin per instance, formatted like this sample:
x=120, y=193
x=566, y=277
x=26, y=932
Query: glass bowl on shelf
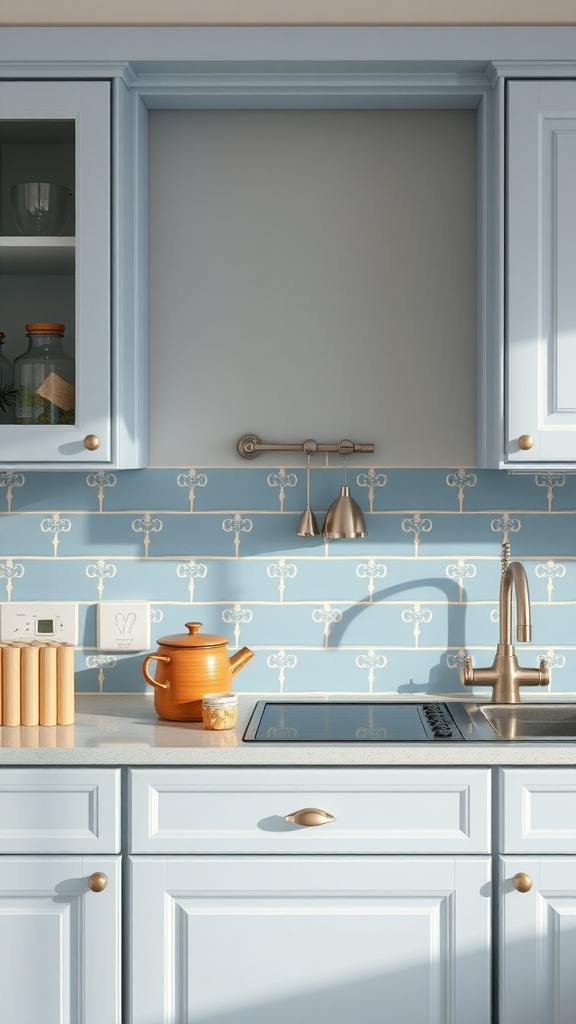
x=40, y=208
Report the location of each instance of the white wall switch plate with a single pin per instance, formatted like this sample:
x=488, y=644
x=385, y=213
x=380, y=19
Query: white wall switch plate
x=30, y=620
x=123, y=626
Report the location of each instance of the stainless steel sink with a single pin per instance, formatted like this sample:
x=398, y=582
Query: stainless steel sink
x=531, y=721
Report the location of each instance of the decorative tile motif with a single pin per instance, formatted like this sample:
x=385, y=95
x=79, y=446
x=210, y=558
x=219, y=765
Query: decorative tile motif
x=327, y=616
x=282, y=571
x=371, y=571
x=505, y=525
x=236, y=616
x=237, y=524
x=101, y=480
x=550, y=571
x=146, y=525
x=417, y=615
x=461, y=571
x=282, y=480
x=101, y=662
x=550, y=481
x=191, y=571
x=9, y=481
x=417, y=525
x=461, y=479
x=55, y=525
x=191, y=480
x=100, y=571
x=395, y=612
x=371, y=661
x=9, y=571
x=283, y=661
x=371, y=480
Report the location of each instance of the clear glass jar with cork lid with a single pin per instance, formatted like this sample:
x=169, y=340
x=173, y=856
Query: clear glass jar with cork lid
x=44, y=376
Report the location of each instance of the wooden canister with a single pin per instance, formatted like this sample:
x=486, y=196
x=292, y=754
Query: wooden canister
x=2, y=645
x=30, y=684
x=48, y=684
x=10, y=685
x=65, y=684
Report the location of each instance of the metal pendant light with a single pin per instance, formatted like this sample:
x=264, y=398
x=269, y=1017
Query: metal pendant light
x=308, y=526
x=344, y=518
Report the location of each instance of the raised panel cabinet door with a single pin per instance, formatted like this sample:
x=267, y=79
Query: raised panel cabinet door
x=59, y=940
x=540, y=371
x=537, y=940
x=251, y=940
x=57, y=279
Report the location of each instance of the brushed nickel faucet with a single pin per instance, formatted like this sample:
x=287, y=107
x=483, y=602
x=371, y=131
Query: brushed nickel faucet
x=505, y=676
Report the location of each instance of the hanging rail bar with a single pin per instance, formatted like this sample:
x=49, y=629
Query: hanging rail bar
x=249, y=446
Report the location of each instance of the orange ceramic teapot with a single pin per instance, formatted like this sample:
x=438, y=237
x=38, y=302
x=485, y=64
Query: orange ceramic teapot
x=190, y=665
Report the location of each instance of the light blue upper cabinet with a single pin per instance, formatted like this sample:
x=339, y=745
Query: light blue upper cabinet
x=540, y=327
x=75, y=273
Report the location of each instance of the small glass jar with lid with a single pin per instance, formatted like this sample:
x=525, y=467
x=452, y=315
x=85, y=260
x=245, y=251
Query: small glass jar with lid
x=6, y=379
x=219, y=710
x=45, y=377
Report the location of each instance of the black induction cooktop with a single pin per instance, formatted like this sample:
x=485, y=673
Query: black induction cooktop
x=355, y=722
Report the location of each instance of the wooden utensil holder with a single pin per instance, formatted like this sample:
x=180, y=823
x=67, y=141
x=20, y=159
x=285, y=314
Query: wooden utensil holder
x=36, y=684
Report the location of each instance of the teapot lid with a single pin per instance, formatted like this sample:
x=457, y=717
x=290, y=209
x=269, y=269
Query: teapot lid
x=192, y=639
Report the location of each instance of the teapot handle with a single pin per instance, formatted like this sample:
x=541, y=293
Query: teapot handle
x=146, y=674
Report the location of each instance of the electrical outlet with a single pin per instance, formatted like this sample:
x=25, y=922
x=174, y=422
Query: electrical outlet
x=21, y=620
x=123, y=626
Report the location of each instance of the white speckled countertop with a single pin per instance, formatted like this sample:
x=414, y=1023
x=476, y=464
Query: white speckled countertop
x=125, y=730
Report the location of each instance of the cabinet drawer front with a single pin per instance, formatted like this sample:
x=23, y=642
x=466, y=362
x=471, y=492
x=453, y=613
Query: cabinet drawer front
x=538, y=810
x=59, y=810
x=212, y=810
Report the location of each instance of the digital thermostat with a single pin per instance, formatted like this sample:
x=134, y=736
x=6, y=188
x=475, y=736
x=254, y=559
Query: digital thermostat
x=23, y=621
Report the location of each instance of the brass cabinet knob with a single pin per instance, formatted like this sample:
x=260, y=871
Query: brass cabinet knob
x=522, y=882
x=310, y=816
x=525, y=442
x=91, y=442
x=98, y=881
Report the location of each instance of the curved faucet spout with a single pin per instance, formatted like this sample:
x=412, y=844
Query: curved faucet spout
x=514, y=574
x=505, y=675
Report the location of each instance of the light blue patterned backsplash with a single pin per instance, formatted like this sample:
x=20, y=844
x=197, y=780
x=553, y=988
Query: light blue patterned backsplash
x=395, y=612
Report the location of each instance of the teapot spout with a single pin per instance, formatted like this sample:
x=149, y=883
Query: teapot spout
x=238, y=660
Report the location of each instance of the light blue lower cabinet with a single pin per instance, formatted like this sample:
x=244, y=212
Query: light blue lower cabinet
x=335, y=939
x=536, y=980
x=239, y=914
x=537, y=940
x=60, y=896
x=60, y=940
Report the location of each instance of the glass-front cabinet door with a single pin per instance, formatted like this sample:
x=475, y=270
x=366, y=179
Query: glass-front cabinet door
x=55, y=273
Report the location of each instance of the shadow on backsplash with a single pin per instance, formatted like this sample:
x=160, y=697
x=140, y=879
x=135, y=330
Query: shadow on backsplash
x=441, y=676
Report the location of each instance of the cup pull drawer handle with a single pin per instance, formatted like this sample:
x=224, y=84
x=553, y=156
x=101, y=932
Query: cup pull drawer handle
x=310, y=816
